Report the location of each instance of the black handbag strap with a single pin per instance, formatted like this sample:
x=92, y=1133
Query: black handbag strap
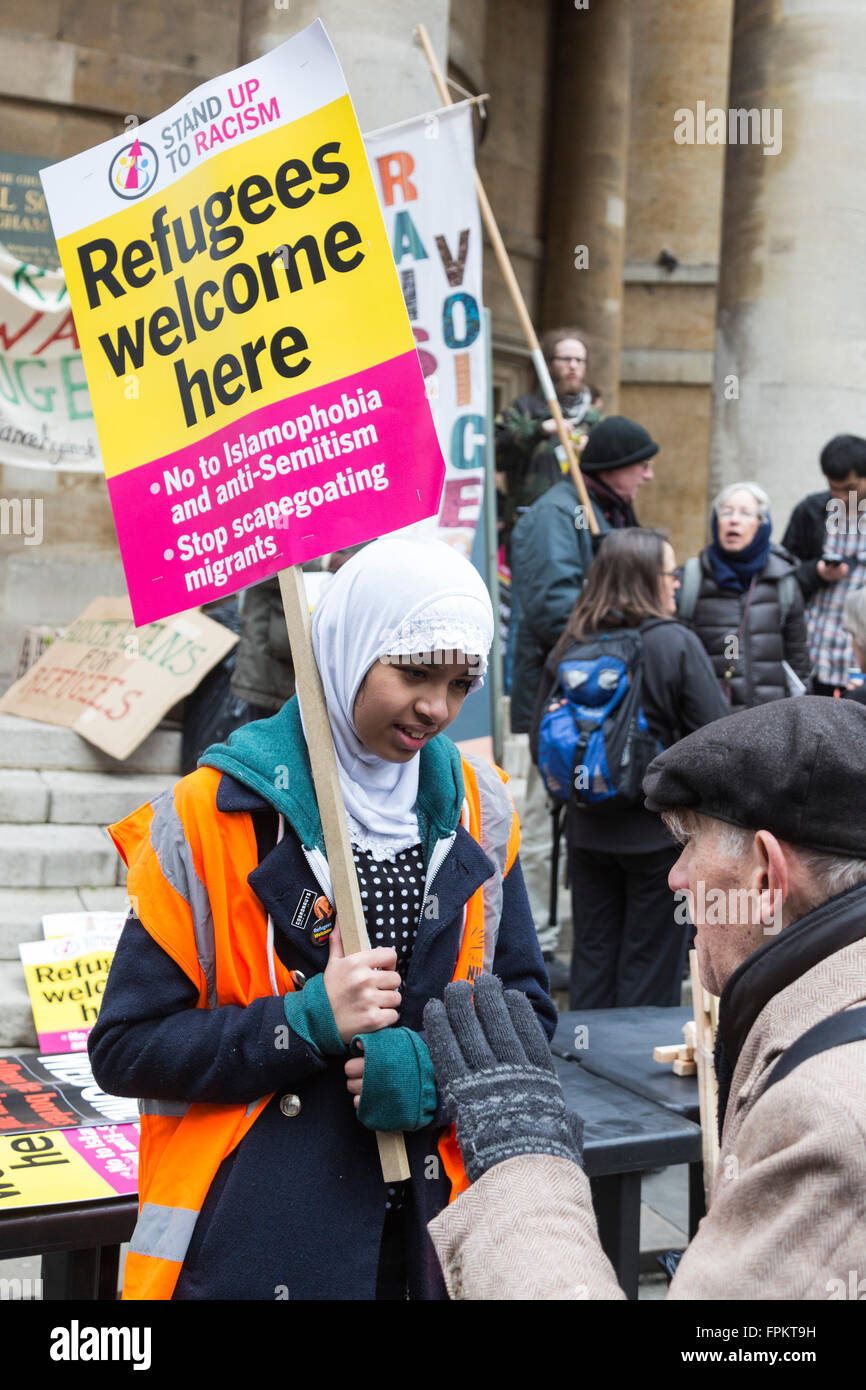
x=835, y=1031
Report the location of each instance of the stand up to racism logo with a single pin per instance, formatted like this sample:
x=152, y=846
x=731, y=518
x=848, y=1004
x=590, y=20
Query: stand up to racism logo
x=133, y=170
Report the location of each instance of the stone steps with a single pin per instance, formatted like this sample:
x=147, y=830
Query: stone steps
x=16, y=1016
x=57, y=856
x=22, y=910
x=28, y=744
x=75, y=798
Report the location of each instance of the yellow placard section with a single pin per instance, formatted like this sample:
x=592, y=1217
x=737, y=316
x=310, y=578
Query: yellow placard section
x=183, y=315
x=65, y=994
x=44, y=1169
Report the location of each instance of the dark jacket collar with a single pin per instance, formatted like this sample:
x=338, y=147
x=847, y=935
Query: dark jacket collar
x=774, y=966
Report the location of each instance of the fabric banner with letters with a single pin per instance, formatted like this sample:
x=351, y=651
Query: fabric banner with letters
x=425, y=173
x=46, y=420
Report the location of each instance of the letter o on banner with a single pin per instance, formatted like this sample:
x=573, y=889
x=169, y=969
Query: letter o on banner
x=472, y=326
x=468, y=430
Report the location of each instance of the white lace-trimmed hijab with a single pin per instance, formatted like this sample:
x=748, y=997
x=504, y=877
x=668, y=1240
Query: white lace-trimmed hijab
x=395, y=597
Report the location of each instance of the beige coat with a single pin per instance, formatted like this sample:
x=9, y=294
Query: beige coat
x=787, y=1218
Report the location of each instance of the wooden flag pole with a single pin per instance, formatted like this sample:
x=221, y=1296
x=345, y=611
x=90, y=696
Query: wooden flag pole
x=338, y=850
x=706, y=1008
x=516, y=293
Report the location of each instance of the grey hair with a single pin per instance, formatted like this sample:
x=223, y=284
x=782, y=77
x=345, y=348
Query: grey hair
x=760, y=496
x=830, y=873
x=855, y=615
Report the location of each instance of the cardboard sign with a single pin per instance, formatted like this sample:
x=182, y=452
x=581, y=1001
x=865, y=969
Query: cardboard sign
x=57, y=1091
x=68, y=1165
x=113, y=683
x=425, y=171
x=66, y=978
x=251, y=365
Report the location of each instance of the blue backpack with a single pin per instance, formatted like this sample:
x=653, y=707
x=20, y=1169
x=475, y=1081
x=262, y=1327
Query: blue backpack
x=594, y=744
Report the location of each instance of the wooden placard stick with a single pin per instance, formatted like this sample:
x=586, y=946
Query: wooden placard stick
x=338, y=850
x=708, y=1089
x=502, y=256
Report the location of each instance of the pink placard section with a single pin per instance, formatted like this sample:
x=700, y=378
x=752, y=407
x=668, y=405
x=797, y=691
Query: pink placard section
x=332, y=467
x=70, y=1041
x=111, y=1151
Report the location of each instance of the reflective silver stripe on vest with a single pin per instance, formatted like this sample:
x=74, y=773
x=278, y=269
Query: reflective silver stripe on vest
x=162, y=1107
x=497, y=810
x=175, y=859
x=164, y=1233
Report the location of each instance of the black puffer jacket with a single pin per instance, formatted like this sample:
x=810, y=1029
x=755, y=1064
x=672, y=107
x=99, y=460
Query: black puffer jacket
x=758, y=676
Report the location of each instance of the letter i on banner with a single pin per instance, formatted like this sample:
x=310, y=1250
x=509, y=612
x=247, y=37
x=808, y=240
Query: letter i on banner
x=208, y=260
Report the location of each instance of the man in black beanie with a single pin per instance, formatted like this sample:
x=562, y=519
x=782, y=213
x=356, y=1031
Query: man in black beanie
x=768, y=805
x=551, y=552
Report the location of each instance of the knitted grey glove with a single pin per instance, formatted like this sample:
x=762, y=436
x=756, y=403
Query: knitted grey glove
x=495, y=1073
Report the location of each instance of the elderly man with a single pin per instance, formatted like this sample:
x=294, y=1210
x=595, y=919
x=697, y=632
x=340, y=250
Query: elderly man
x=766, y=801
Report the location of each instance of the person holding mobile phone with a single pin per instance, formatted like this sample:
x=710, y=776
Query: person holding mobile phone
x=827, y=534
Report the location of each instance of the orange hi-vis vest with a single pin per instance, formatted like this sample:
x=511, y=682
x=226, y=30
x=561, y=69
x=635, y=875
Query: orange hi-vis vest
x=188, y=866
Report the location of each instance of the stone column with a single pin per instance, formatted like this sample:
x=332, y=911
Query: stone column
x=790, y=364
x=386, y=71
x=586, y=182
x=680, y=53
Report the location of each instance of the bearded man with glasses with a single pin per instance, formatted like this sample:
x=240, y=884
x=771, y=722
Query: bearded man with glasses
x=529, y=455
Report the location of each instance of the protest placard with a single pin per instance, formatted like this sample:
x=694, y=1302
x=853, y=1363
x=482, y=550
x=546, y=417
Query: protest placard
x=56, y=1090
x=425, y=171
x=65, y=980
x=82, y=923
x=68, y=1165
x=113, y=683
x=251, y=365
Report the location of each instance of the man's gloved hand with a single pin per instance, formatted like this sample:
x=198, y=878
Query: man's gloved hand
x=496, y=1075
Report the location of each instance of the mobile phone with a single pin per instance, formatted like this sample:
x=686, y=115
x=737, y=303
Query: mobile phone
x=831, y=558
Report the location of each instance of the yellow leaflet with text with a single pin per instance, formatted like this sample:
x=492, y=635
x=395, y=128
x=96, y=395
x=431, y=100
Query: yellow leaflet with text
x=65, y=993
x=44, y=1169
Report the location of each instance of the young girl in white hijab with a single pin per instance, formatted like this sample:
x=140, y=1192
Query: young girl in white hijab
x=269, y=1057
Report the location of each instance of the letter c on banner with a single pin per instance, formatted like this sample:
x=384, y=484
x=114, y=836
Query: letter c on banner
x=473, y=321
x=468, y=430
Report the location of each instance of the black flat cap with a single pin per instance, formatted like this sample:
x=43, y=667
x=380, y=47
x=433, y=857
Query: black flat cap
x=795, y=767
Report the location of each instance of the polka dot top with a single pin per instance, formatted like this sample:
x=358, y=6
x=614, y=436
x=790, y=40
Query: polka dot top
x=392, y=893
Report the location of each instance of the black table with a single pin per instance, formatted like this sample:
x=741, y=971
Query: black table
x=79, y=1243
x=625, y=1134
x=617, y=1044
